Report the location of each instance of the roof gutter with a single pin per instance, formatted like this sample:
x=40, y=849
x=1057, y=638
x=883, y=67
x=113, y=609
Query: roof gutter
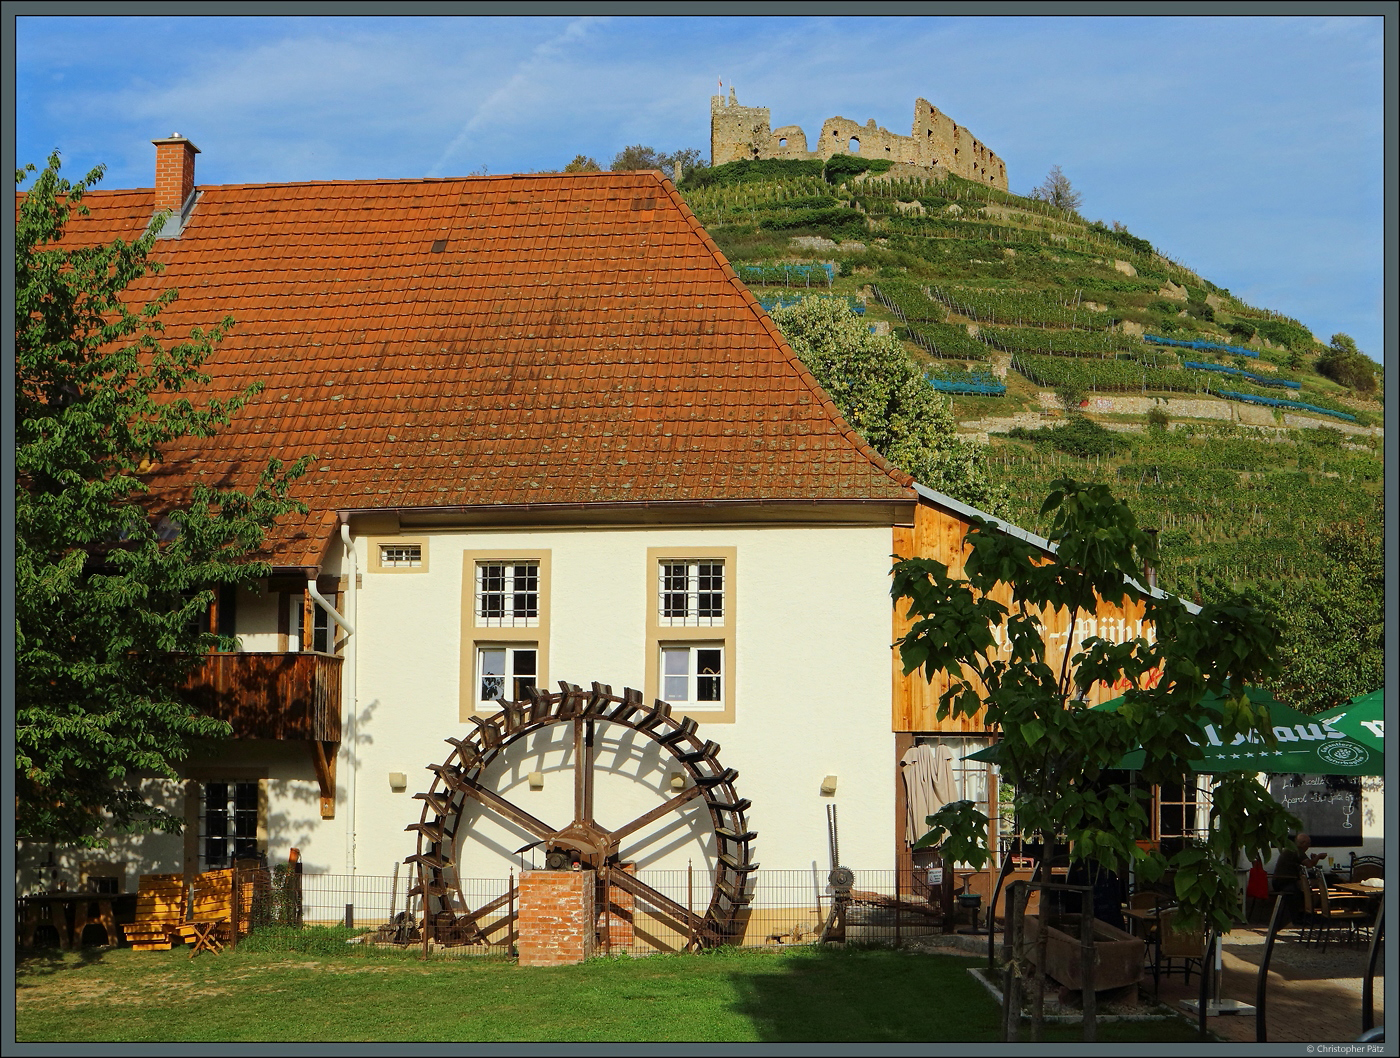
x=620, y=505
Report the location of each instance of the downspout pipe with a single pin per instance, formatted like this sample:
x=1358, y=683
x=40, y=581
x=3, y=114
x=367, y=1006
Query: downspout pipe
x=325, y=603
x=350, y=691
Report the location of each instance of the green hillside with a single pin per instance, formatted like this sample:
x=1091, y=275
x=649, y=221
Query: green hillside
x=979, y=284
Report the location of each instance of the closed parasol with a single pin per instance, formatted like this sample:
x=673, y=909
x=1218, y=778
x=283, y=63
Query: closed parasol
x=928, y=786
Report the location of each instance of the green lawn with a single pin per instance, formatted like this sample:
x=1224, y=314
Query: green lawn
x=831, y=995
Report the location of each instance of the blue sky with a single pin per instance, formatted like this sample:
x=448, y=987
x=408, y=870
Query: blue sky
x=1249, y=149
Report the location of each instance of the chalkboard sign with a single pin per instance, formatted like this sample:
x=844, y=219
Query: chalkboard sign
x=1329, y=806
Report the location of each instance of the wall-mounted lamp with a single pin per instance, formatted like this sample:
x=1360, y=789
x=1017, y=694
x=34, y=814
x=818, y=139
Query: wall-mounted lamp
x=677, y=781
x=398, y=781
x=537, y=780
x=828, y=786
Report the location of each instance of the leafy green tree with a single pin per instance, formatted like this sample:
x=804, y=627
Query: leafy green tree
x=1333, y=645
x=111, y=580
x=1343, y=362
x=582, y=163
x=885, y=398
x=1055, y=753
x=1058, y=192
x=640, y=157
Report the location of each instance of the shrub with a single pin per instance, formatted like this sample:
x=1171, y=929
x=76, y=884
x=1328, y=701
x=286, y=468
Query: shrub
x=746, y=172
x=1080, y=436
x=840, y=166
x=1157, y=418
x=1285, y=332
x=1343, y=362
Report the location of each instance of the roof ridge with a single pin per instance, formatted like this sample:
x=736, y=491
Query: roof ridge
x=366, y=181
x=900, y=477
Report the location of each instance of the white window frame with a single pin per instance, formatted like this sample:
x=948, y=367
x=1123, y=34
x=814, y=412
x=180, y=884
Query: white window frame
x=510, y=687
x=321, y=638
x=400, y=556
x=692, y=594
x=692, y=676
x=233, y=816
x=510, y=596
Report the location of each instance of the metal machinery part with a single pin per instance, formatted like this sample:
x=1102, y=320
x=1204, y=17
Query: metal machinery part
x=841, y=879
x=458, y=780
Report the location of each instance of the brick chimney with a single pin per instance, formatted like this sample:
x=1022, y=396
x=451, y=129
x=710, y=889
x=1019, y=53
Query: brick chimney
x=174, y=172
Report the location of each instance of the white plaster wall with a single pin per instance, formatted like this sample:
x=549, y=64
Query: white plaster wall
x=810, y=681
x=257, y=621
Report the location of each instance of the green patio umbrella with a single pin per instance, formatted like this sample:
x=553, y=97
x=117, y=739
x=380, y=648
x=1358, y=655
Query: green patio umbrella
x=1362, y=719
x=1305, y=745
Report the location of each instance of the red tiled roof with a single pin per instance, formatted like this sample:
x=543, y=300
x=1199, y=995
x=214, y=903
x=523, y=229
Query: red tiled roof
x=579, y=339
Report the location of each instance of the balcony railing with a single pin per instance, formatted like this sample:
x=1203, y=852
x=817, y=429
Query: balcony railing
x=278, y=696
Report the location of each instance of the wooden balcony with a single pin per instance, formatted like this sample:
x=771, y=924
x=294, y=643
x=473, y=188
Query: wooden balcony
x=276, y=696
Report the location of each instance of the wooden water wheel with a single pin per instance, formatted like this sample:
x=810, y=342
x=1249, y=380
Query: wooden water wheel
x=445, y=825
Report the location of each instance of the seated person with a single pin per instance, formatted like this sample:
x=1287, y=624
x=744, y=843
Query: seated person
x=1288, y=873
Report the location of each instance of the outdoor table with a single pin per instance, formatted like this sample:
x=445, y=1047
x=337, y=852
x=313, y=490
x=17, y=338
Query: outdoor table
x=1359, y=889
x=57, y=906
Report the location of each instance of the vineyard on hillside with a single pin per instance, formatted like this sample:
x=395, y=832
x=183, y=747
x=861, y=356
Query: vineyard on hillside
x=978, y=282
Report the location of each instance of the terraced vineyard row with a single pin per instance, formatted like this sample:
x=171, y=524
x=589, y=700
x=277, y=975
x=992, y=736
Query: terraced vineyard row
x=1099, y=375
x=1019, y=307
x=1044, y=342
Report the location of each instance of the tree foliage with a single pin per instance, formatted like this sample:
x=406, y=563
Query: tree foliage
x=111, y=581
x=1054, y=753
x=582, y=163
x=1343, y=362
x=640, y=157
x=1059, y=192
x=1333, y=645
x=885, y=398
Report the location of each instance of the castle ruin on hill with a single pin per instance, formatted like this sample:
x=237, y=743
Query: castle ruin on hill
x=937, y=142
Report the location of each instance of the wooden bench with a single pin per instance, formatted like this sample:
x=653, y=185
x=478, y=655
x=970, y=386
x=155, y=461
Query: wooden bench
x=160, y=908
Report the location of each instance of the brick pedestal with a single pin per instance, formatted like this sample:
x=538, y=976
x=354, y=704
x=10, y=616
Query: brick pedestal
x=556, y=917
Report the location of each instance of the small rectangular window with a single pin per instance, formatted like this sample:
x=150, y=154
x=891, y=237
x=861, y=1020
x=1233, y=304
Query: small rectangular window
x=692, y=593
x=400, y=556
x=505, y=672
x=693, y=675
x=508, y=594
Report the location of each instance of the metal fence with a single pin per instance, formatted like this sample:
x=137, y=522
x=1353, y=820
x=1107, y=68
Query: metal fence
x=291, y=911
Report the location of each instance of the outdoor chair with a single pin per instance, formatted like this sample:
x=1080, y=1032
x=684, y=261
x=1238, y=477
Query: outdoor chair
x=1341, y=909
x=1187, y=947
x=1308, y=914
x=1363, y=867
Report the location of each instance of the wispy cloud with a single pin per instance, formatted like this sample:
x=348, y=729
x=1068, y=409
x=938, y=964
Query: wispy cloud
x=504, y=101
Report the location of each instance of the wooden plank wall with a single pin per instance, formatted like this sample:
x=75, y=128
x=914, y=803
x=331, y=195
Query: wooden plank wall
x=939, y=534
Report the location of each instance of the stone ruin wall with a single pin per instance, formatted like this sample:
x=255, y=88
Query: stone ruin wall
x=937, y=142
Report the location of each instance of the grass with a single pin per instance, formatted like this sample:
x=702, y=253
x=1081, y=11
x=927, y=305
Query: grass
x=727, y=996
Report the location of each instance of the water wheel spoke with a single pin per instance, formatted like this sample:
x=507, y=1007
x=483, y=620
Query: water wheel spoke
x=516, y=815
x=629, y=883
x=583, y=770
x=664, y=808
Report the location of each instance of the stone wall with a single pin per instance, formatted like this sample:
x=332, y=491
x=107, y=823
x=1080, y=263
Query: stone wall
x=937, y=143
